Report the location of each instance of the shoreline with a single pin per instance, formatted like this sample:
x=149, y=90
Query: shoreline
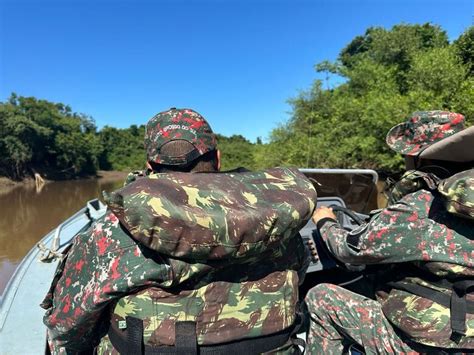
x=8, y=184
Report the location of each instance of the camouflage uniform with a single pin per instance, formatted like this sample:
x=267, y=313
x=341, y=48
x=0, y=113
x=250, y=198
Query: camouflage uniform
x=217, y=249
x=341, y=318
x=459, y=194
x=419, y=240
x=417, y=229
x=410, y=181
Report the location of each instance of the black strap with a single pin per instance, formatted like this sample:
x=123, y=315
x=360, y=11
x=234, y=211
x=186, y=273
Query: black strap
x=458, y=309
x=459, y=305
x=120, y=340
x=185, y=338
x=133, y=341
x=456, y=302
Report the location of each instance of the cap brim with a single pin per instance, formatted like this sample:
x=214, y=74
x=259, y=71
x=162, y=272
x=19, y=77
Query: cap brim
x=457, y=148
x=398, y=142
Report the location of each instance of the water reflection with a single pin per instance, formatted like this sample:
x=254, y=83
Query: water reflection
x=27, y=215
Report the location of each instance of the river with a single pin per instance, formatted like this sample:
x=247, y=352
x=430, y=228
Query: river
x=27, y=215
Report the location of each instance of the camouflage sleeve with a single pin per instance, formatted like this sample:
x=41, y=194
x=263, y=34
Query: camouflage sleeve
x=411, y=181
x=400, y=233
x=102, y=265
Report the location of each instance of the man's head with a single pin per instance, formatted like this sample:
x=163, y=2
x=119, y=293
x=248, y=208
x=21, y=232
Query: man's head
x=181, y=140
x=434, y=138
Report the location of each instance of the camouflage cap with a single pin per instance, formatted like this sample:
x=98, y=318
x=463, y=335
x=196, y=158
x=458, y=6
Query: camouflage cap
x=422, y=129
x=178, y=124
x=458, y=191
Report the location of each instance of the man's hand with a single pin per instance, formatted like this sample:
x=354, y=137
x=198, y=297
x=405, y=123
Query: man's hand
x=323, y=212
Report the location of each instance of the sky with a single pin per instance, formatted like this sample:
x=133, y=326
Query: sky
x=237, y=62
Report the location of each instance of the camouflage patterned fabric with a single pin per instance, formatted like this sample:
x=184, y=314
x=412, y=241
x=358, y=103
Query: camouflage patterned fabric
x=422, y=129
x=340, y=318
x=417, y=229
x=210, y=216
x=176, y=124
x=411, y=181
x=224, y=311
x=458, y=191
x=124, y=253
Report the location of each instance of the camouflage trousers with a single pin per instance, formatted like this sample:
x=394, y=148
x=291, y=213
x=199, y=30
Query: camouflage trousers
x=340, y=318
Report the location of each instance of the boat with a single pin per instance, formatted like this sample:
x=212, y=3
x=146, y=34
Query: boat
x=21, y=327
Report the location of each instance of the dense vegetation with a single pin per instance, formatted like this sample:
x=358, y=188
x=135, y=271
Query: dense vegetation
x=48, y=138
x=386, y=75
x=40, y=136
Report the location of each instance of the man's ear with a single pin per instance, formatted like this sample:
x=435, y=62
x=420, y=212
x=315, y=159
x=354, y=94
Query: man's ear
x=218, y=160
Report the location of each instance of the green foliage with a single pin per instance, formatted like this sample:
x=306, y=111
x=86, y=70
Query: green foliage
x=122, y=148
x=465, y=48
x=388, y=74
x=393, y=48
x=236, y=151
x=45, y=137
x=436, y=75
x=37, y=135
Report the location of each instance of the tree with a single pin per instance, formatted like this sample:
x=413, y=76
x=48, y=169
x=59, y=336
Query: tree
x=122, y=148
x=388, y=74
x=37, y=135
x=465, y=49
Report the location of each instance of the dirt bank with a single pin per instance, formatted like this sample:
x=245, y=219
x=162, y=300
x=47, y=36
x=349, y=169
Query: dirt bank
x=8, y=184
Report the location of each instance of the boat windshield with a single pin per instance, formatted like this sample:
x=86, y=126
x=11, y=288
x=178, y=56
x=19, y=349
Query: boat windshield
x=357, y=187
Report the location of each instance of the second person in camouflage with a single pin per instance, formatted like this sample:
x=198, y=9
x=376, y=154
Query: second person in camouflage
x=426, y=250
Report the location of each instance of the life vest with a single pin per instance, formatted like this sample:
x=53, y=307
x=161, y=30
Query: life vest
x=458, y=192
x=434, y=303
x=232, y=245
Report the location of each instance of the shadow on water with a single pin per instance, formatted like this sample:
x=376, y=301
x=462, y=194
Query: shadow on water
x=26, y=215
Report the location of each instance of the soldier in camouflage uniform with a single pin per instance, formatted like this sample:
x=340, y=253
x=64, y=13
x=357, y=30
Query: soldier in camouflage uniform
x=186, y=262
x=425, y=241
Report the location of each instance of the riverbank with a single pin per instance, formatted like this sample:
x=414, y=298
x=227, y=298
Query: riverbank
x=107, y=175
x=7, y=184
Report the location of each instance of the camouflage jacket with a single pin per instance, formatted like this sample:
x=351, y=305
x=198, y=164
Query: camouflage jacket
x=173, y=231
x=410, y=181
x=419, y=231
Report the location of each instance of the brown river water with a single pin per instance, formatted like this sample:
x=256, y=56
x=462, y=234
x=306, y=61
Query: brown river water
x=27, y=215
